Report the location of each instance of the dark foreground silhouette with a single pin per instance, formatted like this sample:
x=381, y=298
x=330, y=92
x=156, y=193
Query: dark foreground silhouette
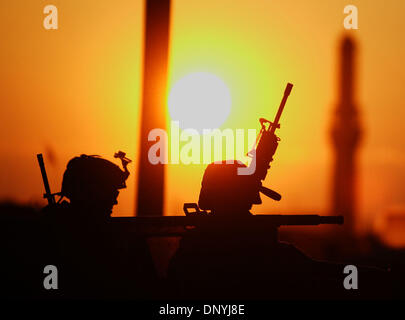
x=237, y=259
x=93, y=261
x=228, y=256
x=227, y=253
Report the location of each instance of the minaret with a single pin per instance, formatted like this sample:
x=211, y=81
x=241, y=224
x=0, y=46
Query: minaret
x=156, y=47
x=346, y=133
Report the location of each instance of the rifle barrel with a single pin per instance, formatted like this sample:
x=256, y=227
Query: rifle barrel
x=287, y=92
x=48, y=193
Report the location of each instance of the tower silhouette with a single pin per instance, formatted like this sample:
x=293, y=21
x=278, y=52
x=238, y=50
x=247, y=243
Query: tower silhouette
x=345, y=134
x=156, y=49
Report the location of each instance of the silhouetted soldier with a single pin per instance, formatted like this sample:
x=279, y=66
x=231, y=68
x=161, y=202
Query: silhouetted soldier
x=93, y=260
x=233, y=259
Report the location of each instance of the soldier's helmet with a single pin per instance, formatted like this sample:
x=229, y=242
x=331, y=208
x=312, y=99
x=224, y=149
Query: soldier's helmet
x=93, y=181
x=225, y=192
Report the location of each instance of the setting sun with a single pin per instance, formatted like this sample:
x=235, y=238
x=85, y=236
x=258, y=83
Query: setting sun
x=200, y=101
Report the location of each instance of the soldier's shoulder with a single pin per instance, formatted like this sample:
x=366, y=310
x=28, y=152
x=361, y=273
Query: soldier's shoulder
x=55, y=210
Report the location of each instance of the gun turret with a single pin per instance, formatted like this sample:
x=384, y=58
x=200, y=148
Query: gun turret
x=178, y=225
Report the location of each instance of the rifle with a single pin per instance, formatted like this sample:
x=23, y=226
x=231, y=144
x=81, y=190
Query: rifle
x=48, y=194
x=265, y=147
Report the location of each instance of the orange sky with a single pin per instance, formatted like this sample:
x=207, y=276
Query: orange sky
x=77, y=90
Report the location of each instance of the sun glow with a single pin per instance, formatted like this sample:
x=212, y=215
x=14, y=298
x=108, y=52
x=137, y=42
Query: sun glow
x=199, y=101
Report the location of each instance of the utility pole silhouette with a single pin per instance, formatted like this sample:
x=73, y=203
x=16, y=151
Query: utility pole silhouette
x=150, y=197
x=345, y=134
